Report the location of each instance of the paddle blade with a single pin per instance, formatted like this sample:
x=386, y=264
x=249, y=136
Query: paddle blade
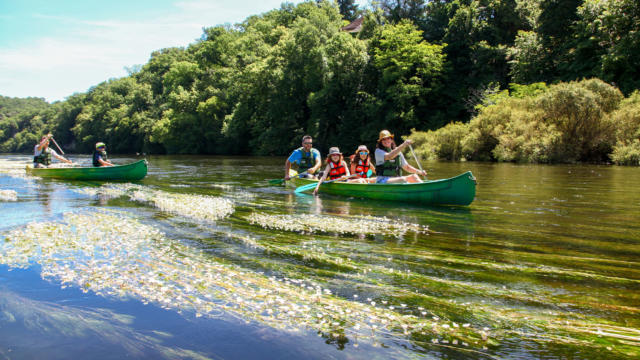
x=303, y=188
x=276, y=181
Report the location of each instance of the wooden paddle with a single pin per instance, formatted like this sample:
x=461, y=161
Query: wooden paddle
x=56, y=144
x=303, y=188
x=416, y=159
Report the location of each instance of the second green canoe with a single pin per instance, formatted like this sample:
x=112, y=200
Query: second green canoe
x=129, y=172
x=458, y=190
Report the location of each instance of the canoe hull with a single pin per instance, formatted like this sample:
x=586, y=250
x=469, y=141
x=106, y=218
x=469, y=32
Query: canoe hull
x=458, y=190
x=129, y=172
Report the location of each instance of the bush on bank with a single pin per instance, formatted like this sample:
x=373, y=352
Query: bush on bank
x=582, y=121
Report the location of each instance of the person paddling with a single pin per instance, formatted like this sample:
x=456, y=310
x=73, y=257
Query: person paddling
x=336, y=168
x=307, y=158
x=42, y=153
x=389, y=161
x=100, y=155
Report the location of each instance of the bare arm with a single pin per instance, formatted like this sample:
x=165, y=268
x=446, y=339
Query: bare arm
x=287, y=167
x=324, y=177
x=408, y=168
x=44, y=141
x=394, y=153
x=346, y=169
x=62, y=158
x=105, y=163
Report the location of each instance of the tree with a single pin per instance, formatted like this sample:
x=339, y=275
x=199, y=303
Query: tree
x=611, y=31
x=348, y=9
x=410, y=71
x=397, y=10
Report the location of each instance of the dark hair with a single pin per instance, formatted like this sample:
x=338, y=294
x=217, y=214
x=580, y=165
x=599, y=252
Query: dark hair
x=306, y=137
x=356, y=156
x=381, y=147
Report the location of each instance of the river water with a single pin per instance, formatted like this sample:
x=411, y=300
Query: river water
x=204, y=259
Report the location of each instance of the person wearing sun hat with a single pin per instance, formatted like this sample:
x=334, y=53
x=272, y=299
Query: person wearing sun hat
x=100, y=155
x=42, y=153
x=361, y=165
x=389, y=161
x=336, y=168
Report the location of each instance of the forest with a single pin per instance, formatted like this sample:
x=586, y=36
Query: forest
x=501, y=80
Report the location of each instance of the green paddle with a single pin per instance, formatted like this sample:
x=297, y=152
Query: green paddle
x=303, y=188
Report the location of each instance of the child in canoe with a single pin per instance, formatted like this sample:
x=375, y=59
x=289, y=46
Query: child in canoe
x=361, y=166
x=336, y=168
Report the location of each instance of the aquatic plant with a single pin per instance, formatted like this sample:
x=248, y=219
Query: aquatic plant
x=198, y=207
x=8, y=195
x=311, y=224
x=112, y=254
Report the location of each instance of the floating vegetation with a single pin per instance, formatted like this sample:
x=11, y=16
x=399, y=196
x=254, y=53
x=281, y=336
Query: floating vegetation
x=198, y=207
x=15, y=169
x=8, y=195
x=111, y=254
x=356, y=225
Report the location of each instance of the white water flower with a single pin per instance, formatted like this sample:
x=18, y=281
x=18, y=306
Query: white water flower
x=8, y=195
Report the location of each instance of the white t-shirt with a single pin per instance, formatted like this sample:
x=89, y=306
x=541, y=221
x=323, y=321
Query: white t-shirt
x=37, y=152
x=380, y=158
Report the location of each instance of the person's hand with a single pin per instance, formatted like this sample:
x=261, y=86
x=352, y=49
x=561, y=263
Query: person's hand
x=407, y=143
x=287, y=178
x=49, y=135
x=422, y=172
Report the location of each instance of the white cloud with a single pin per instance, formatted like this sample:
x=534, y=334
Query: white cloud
x=93, y=51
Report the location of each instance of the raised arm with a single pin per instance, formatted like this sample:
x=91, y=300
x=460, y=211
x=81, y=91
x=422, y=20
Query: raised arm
x=394, y=153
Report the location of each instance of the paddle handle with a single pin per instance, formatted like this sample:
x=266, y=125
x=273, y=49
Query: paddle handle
x=58, y=146
x=415, y=158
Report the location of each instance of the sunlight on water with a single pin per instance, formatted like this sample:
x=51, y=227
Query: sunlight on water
x=112, y=254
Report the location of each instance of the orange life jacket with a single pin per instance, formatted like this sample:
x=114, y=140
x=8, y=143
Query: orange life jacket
x=337, y=170
x=362, y=168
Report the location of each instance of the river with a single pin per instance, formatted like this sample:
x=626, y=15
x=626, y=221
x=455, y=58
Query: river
x=204, y=259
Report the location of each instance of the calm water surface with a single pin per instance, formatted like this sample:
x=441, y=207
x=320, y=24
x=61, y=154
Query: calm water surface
x=204, y=259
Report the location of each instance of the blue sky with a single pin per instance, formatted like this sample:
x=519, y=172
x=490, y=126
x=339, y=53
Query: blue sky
x=54, y=48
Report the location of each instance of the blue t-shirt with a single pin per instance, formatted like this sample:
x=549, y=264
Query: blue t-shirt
x=296, y=156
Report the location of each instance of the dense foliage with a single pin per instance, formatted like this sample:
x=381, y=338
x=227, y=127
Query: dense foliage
x=258, y=86
x=586, y=121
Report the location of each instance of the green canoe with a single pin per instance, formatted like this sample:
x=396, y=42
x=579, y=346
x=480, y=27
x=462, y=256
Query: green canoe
x=129, y=172
x=458, y=190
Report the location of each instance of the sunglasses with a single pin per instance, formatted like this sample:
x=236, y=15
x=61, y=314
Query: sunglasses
x=307, y=143
x=364, y=153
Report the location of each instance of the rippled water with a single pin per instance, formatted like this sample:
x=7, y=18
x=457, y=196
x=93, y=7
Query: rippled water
x=204, y=259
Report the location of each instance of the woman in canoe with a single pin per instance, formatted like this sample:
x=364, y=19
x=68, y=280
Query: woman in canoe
x=389, y=161
x=361, y=166
x=336, y=168
x=42, y=153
